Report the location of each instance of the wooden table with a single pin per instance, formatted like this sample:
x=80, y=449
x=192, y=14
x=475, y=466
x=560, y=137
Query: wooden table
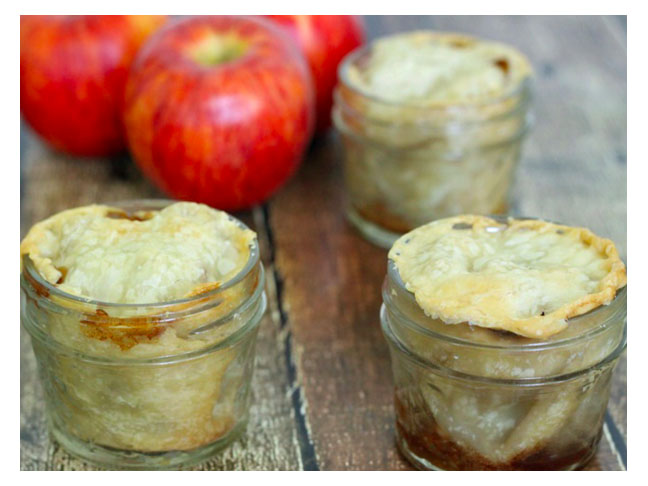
x=322, y=386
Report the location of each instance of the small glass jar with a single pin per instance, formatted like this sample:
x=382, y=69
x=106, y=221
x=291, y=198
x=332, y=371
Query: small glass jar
x=471, y=398
x=150, y=386
x=406, y=164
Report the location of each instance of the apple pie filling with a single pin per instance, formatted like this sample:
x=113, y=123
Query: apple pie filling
x=504, y=334
x=143, y=320
x=432, y=126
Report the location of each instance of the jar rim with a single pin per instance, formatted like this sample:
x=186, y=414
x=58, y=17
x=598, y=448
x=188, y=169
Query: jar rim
x=230, y=340
x=345, y=129
x=539, y=381
x=353, y=56
x=153, y=204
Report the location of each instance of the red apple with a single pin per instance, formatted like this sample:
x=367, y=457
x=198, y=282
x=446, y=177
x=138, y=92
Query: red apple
x=324, y=40
x=73, y=71
x=219, y=110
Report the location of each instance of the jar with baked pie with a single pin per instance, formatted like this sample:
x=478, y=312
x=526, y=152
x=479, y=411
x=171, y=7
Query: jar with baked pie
x=432, y=126
x=143, y=318
x=504, y=334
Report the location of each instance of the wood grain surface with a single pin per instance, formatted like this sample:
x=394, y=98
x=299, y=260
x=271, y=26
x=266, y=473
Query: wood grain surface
x=322, y=385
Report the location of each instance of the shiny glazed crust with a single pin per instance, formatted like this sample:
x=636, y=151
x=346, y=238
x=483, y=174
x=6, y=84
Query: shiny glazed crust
x=102, y=253
x=524, y=276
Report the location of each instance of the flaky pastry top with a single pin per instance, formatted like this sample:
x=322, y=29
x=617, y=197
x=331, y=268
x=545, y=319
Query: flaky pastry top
x=432, y=68
x=102, y=253
x=523, y=276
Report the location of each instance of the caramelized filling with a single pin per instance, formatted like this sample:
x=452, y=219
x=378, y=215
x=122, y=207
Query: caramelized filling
x=64, y=272
x=126, y=333
x=503, y=64
x=425, y=439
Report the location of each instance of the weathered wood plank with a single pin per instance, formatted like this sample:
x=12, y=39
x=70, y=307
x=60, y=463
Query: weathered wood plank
x=53, y=182
x=331, y=279
x=573, y=171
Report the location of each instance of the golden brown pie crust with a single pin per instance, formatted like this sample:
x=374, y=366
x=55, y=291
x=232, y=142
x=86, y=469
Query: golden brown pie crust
x=523, y=276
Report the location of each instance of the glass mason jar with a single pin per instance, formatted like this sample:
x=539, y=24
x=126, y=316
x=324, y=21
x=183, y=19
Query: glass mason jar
x=471, y=398
x=406, y=164
x=118, y=397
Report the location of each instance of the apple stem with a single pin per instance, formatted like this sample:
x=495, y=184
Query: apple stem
x=214, y=49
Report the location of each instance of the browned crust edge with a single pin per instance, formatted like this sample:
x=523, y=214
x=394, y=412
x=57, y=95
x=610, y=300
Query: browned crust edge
x=548, y=324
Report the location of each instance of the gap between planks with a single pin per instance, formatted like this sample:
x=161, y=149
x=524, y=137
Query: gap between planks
x=307, y=452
